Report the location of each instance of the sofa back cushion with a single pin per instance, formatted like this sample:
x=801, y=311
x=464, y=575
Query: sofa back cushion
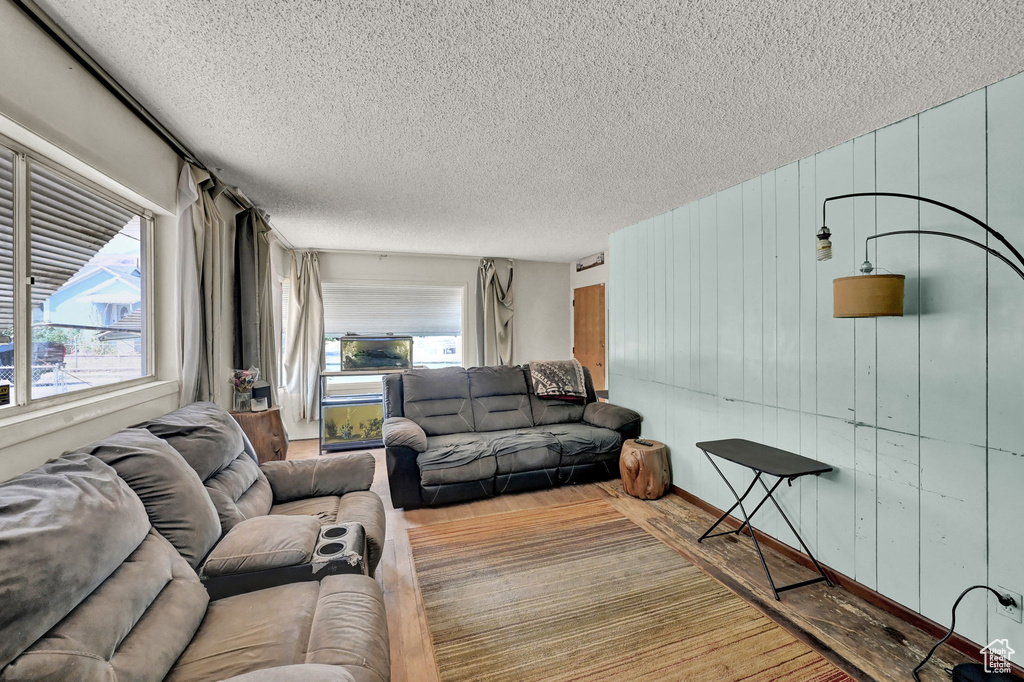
x=549, y=411
x=393, y=398
x=178, y=505
x=89, y=590
x=214, y=446
x=500, y=398
x=438, y=400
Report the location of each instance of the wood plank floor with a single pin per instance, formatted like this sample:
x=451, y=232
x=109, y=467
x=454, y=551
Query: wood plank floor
x=860, y=638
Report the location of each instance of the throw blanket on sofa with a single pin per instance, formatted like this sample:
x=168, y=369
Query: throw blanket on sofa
x=558, y=379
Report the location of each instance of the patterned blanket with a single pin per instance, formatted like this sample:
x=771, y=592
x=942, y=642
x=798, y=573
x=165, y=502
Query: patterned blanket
x=558, y=379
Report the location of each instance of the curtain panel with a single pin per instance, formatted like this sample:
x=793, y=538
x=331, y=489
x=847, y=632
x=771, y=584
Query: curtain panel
x=205, y=273
x=269, y=329
x=304, y=358
x=496, y=310
x=255, y=326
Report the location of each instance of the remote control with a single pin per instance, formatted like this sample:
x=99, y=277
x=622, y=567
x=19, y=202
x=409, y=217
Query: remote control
x=640, y=441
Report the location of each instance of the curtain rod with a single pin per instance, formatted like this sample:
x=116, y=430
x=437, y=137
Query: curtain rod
x=50, y=27
x=60, y=36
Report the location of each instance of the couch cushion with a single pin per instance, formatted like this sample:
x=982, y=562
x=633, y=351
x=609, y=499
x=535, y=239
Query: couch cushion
x=300, y=672
x=339, y=621
x=362, y=507
x=458, y=458
x=262, y=543
x=455, y=458
x=205, y=435
x=583, y=443
x=214, y=445
x=393, y=396
x=132, y=627
x=64, y=527
x=240, y=491
x=477, y=470
x=438, y=400
x=176, y=501
x=524, y=450
x=500, y=398
x=551, y=411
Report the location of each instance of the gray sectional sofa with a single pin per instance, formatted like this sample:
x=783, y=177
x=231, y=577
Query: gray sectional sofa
x=455, y=434
x=108, y=553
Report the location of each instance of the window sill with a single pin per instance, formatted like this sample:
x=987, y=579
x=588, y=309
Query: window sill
x=34, y=423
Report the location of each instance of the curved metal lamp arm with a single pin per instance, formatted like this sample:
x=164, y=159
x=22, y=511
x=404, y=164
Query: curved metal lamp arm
x=993, y=252
x=954, y=209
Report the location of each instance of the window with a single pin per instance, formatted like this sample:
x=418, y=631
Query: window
x=82, y=320
x=431, y=314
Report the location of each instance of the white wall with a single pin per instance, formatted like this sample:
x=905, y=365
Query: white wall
x=47, y=92
x=51, y=106
x=722, y=327
x=541, y=308
x=541, y=300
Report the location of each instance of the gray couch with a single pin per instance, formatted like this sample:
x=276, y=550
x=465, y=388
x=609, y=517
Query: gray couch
x=108, y=553
x=457, y=434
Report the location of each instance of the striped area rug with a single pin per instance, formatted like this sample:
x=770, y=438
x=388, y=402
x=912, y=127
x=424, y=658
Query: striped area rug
x=579, y=592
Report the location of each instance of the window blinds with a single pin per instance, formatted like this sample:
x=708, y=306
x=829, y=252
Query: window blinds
x=386, y=308
x=69, y=225
x=6, y=239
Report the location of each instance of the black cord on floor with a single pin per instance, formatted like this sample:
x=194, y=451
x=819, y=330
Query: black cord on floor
x=1003, y=599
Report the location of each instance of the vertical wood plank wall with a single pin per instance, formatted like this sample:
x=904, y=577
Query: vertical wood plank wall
x=721, y=326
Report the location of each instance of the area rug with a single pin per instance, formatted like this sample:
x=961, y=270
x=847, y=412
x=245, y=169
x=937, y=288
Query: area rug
x=579, y=592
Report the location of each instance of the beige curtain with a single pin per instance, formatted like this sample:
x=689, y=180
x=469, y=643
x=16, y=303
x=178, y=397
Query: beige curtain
x=496, y=312
x=304, y=360
x=205, y=273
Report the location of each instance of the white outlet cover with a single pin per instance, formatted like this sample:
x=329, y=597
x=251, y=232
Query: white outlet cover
x=1011, y=612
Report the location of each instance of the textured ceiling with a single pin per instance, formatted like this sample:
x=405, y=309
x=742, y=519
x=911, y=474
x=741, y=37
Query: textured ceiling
x=525, y=129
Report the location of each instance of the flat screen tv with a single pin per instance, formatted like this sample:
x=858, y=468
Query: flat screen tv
x=376, y=353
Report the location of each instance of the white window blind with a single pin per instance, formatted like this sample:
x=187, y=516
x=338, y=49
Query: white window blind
x=421, y=310
x=399, y=309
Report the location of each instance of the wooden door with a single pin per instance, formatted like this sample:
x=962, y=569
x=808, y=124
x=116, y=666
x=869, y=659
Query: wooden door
x=588, y=331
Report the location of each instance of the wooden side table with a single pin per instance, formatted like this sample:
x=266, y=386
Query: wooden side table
x=265, y=431
x=644, y=469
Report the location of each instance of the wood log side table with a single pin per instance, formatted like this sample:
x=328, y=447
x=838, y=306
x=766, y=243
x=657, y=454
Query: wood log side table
x=265, y=431
x=644, y=469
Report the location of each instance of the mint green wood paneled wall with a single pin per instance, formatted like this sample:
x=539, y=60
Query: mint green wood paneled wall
x=721, y=326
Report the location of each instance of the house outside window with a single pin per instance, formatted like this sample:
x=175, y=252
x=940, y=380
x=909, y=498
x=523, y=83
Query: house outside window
x=81, y=323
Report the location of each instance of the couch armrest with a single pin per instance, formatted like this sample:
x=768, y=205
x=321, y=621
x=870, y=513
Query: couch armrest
x=263, y=543
x=299, y=672
x=403, y=478
x=610, y=416
x=403, y=432
x=330, y=475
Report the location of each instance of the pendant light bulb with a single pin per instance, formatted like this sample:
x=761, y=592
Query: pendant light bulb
x=824, y=245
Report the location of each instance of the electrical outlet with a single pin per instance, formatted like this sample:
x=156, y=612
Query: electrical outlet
x=1011, y=612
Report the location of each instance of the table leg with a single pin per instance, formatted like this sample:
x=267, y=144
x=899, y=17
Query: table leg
x=799, y=539
x=746, y=520
x=723, y=517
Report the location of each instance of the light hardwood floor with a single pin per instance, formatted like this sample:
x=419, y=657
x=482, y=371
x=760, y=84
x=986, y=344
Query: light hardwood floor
x=863, y=640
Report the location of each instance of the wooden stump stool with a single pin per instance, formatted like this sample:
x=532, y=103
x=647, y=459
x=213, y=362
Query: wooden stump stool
x=644, y=469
